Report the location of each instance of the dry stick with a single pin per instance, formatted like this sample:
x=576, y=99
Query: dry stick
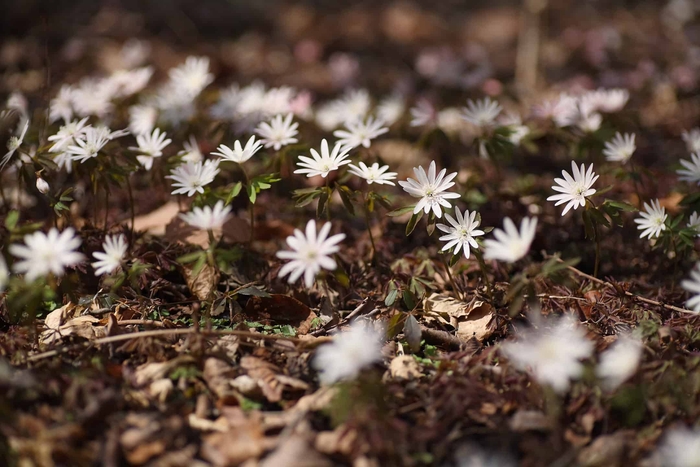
x=648, y=301
x=174, y=332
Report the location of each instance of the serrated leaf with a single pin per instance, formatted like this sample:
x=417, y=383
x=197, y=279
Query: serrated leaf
x=345, y=197
x=410, y=227
x=322, y=203
x=235, y=191
x=253, y=292
x=252, y=194
x=401, y=211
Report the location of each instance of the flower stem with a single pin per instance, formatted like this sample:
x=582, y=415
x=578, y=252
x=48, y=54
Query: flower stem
x=328, y=202
x=251, y=211
x=131, y=205
x=637, y=191
x=457, y=290
x=369, y=231
x=484, y=273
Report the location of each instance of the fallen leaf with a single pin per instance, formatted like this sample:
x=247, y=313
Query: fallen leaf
x=242, y=441
x=204, y=282
x=295, y=451
x=277, y=308
x=155, y=222
x=404, y=367
x=530, y=420
x=66, y=321
x=469, y=319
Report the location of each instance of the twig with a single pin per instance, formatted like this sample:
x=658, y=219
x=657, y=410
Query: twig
x=174, y=332
x=435, y=336
x=141, y=322
x=607, y=284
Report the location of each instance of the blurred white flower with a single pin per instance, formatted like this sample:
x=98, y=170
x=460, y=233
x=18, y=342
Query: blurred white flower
x=510, y=244
x=613, y=100
x=620, y=148
x=461, y=232
x=191, y=77
x=190, y=151
x=431, y=189
x=563, y=110
x=309, y=253
x=61, y=106
x=279, y=132
x=239, y=153
x=551, y=353
x=43, y=253
x=142, y=119
x=150, y=146
x=591, y=122
x=67, y=134
x=692, y=285
x=423, y=113
x=353, y=105
x=351, y=351
x=514, y=123
x=574, y=190
x=391, y=109
x=691, y=173
x=694, y=222
x=360, y=133
x=191, y=177
x=652, y=220
x=373, y=173
x=324, y=163
x=692, y=139
x=114, y=247
x=207, y=218
x=620, y=361
x=93, y=96
x=126, y=83
x=450, y=121
x=14, y=143
x=681, y=448
x=482, y=113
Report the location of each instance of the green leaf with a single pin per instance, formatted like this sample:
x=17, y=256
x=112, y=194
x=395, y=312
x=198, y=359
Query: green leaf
x=252, y=193
x=253, y=292
x=621, y=206
x=391, y=297
x=409, y=299
x=401, y=211
x=190, y=257
x=345, y=196
x=322, y=202
x=395, y=325
x=412, y=331
x=410, y=227
x=234, y=192
x=11, y=220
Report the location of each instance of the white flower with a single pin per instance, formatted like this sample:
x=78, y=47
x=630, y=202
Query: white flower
x=692, y=139
x=114, y=247
x=93, y=97
x=190, y=152
x=42, y=185
x=563, y=111
x=4, y=274
x=518, y=131
x=351, y=350
x=239, y=154
x=591, y=122
x=691, y=173
x=279, y=132
x=461, y=232
x=309, y=253
x=61, y=106
x=681, y=448
x=694, y=222
x=67, y=134
x=142, y=119
x=613, y=100
x=620, y=361
x=89, y=143
x=431, y=189
x=360, y=133
x=191, y=77
x=324, y=163
x=46, y=253
x=552, y=354
x=191, y=177
x=373, y=174
x=652, y=220
x=150, y=146
x=621, y=148
x=511, y=245
x=574, y=190
x=692, y=285
x=450, y=121
x=481, y=113
x=207, y=218
x=128, y=82
x=391, y=109
x=14, y=143
x=423, y=113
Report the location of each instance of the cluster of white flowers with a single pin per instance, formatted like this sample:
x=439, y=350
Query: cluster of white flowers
x=553, y=353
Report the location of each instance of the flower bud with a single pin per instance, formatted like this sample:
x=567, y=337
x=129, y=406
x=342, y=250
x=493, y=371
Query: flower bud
x=42, y=185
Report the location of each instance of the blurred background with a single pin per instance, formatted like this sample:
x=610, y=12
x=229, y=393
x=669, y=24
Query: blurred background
x=519, y=49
